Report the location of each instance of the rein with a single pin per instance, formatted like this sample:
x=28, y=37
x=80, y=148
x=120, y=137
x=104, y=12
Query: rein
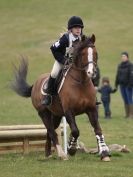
x=81, y=69
x=79, y=81
x=84, y=66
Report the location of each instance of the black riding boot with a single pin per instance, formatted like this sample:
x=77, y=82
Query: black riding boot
x=50, y=91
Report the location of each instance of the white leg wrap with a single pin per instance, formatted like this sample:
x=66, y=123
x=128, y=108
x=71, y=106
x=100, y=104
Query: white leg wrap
x=101, y=144
x=56, y=69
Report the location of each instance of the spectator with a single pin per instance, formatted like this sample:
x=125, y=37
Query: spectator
x=124, y=78
x=96, y=79
x=105, y=91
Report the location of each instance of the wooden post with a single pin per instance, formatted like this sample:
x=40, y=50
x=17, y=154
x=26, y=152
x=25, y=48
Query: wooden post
x=24, y=138
x=25, y=146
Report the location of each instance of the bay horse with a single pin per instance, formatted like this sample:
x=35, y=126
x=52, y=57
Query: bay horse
x=77, y=96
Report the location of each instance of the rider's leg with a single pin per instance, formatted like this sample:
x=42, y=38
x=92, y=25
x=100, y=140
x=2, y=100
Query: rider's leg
x=51, y=82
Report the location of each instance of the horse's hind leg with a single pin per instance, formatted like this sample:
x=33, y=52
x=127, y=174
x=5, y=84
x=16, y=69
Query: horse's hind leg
x=44, y=116
x=102, y=147
x=72, y=144
x=47, y=119
x=48, y=146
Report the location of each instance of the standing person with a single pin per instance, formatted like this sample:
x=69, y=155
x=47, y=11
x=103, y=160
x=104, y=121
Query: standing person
x=105, y=91
x=59, y=50
x=124, y=78
x=96, y=81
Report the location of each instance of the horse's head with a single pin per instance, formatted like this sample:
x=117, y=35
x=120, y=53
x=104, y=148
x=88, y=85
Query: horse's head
x=85, y=55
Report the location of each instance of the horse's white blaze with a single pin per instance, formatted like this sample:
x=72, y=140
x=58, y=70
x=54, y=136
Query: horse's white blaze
x=90, y=60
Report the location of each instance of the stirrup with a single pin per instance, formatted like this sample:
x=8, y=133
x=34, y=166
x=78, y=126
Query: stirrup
x=47, y=101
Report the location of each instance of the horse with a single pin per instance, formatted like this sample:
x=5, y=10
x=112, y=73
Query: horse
x=76, y=96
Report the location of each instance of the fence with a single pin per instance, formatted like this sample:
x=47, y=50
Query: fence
x=24, y=138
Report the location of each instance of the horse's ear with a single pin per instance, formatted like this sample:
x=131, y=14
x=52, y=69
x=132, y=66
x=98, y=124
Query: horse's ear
x=83, y=38
x=93, y=38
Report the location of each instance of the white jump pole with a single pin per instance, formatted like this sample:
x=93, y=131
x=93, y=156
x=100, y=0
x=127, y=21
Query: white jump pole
x=65, y=134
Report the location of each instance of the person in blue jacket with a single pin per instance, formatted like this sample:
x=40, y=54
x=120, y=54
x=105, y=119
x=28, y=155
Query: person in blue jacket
x=59, y=51
x=105, y=91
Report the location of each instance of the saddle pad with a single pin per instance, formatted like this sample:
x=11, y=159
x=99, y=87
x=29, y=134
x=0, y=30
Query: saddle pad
x=44, y=83
x=43, y=86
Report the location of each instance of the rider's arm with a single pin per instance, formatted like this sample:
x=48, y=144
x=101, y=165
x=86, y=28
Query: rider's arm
x=59, y=48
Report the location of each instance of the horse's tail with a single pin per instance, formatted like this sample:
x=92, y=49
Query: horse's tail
x=19, y=84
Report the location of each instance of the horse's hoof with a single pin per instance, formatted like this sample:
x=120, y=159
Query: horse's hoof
x=106, y=159
x=72, y=151
x=105, y=156
x=64, y=158
x=48, y=157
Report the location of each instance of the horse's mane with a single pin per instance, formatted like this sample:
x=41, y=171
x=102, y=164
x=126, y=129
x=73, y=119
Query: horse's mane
x=85, y=42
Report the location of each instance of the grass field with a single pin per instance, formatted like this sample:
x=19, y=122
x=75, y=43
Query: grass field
x=29, y=28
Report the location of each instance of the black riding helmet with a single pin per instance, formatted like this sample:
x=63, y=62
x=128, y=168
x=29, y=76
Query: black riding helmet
x=75, y=21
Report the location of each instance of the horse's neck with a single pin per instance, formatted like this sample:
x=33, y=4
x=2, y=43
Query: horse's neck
x=78, y=74
x=77, y=64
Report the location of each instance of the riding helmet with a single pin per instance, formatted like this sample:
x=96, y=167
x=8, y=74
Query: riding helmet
x=75, y=21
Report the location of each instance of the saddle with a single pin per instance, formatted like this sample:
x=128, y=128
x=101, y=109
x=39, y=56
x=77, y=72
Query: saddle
x=59, y=80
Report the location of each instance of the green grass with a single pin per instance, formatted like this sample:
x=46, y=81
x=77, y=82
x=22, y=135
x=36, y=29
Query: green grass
x=29, y=28
x=80, y=165
x=115, y=130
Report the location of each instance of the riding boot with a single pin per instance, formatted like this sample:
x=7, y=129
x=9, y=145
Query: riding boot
x=131, y=110
x=126, y=110
x=50, y=91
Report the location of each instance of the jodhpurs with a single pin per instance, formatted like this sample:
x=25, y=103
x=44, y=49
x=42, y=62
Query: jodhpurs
x=56, y=69
x=127, y=94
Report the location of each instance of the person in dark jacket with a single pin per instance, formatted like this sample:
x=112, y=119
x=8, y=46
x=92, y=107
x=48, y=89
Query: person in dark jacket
x=60, y=49
x=124, y=78
x=105, y=91
x=96, y=79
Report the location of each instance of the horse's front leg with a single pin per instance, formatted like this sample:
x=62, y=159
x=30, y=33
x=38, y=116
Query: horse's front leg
x=102, y=147
x=48, y=152
x=72, y=143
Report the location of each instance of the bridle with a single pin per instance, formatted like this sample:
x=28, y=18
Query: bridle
x=82, y=68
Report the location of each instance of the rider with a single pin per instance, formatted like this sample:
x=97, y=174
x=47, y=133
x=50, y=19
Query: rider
x=59, y=50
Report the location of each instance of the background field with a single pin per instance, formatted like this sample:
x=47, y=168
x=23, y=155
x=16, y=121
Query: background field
x=29, y=28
